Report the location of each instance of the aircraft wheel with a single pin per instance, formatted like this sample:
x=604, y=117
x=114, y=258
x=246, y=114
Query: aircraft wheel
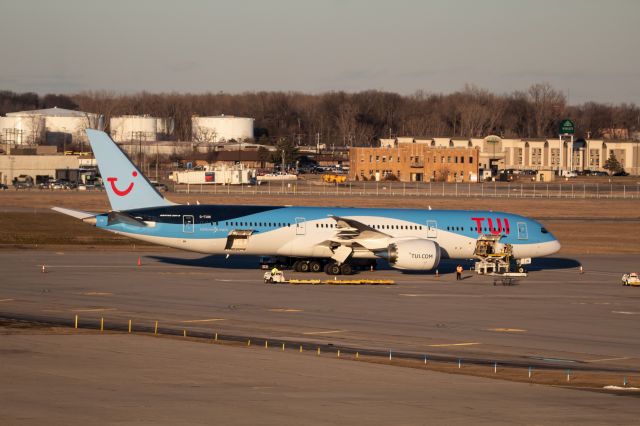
x=332, y=269
x=346, y=269
x=304, y=266
x=296, y=265
x=315, y=266
x=521, y=269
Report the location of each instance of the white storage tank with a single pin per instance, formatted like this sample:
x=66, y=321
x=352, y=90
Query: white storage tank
x=26, y=130
x=137, y=128
x=63, y=121
x=221, y=128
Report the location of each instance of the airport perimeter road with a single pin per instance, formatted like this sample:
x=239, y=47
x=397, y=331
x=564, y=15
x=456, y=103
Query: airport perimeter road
x=556, y=315
x=85, y=379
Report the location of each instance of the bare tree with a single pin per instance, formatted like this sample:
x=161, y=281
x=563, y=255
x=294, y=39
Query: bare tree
x=548, y=107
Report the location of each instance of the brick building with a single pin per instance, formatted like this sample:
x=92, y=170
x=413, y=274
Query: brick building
x=414, y=163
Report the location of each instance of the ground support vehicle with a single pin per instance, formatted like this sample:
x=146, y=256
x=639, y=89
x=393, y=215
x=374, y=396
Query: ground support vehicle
x=494, y=258
x=273, y=277
x=331, y=178
x=631, y=279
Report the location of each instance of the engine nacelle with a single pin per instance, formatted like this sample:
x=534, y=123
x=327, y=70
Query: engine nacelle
x=414, y=254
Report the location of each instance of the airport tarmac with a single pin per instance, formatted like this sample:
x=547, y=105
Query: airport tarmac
x=555, y=317
x=82, y=378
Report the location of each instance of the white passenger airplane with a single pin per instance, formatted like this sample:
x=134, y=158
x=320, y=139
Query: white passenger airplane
x=313, y=238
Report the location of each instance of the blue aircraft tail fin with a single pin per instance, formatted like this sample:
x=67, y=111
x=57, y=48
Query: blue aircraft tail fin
x=125, y=184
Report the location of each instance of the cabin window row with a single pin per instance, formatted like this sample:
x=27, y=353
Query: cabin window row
x=473, y=228
x=400, y=227
x=258, y=224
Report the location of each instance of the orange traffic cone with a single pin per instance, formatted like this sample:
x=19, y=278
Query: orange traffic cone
x=139, y=262
x=437, y=274
x=43, y=269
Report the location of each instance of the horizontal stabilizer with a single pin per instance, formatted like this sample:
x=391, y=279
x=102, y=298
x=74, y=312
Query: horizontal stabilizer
x=78, y=214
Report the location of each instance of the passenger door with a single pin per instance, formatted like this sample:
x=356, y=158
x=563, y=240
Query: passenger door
x=188, y=224
x=432, y=229
x=301, y=226
x=522, y=231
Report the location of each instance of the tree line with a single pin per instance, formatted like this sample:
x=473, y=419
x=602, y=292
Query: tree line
x=358, y=119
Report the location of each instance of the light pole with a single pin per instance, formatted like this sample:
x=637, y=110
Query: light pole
x=637, y=165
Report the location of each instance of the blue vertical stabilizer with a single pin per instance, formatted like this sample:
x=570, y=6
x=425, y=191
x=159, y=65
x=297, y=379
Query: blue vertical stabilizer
x=125, y=184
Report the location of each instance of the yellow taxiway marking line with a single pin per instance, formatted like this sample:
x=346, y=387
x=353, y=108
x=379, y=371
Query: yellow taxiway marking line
x=324, y=332
x=202, y=320
x=441, y=345
x=96, y=293
x=508, y=330
x=284, y=310
x=7, y=300
x=95, y=310
x=606, y=359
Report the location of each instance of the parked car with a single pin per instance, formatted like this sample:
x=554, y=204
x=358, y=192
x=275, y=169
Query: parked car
x=23, y=182
x=61, y=184
x=160, y=187
x=3, y=187
x=621, y=173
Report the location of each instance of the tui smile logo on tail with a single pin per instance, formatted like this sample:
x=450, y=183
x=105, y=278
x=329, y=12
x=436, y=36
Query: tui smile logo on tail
x=118, y=192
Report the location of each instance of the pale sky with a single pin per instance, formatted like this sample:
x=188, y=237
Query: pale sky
x=586, y=48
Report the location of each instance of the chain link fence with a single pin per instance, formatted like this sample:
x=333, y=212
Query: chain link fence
x=426, y=189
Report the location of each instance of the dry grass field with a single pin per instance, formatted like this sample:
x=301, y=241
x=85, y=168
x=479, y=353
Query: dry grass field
x=582, y=226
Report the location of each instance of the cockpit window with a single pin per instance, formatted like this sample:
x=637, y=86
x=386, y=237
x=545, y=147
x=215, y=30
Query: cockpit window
x=544, y=230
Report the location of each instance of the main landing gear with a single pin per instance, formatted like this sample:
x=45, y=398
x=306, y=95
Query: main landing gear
x=330, y=267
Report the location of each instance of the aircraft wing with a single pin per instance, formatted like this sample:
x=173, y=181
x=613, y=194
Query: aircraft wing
x=351, y=233
x=350, y=229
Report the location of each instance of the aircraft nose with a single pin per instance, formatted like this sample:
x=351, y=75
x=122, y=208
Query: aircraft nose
x=552, y=247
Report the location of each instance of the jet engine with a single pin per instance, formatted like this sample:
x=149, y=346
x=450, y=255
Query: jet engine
x=413, y=254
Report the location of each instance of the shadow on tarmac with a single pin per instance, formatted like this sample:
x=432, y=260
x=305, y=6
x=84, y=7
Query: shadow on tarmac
x=445, y=267
x=552, y=263
x=216, y=261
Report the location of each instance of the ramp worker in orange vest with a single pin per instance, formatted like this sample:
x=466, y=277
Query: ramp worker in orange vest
x=459, y=272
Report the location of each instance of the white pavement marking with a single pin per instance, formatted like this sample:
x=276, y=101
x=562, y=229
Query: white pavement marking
x=507, y=330
x=87, y=266
x=442, y=345
x=284, y=310
x=324, y=332
x=202, y=320
x=96, y=293
x=625, y=312
x=7, y=300
x=606, y=359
